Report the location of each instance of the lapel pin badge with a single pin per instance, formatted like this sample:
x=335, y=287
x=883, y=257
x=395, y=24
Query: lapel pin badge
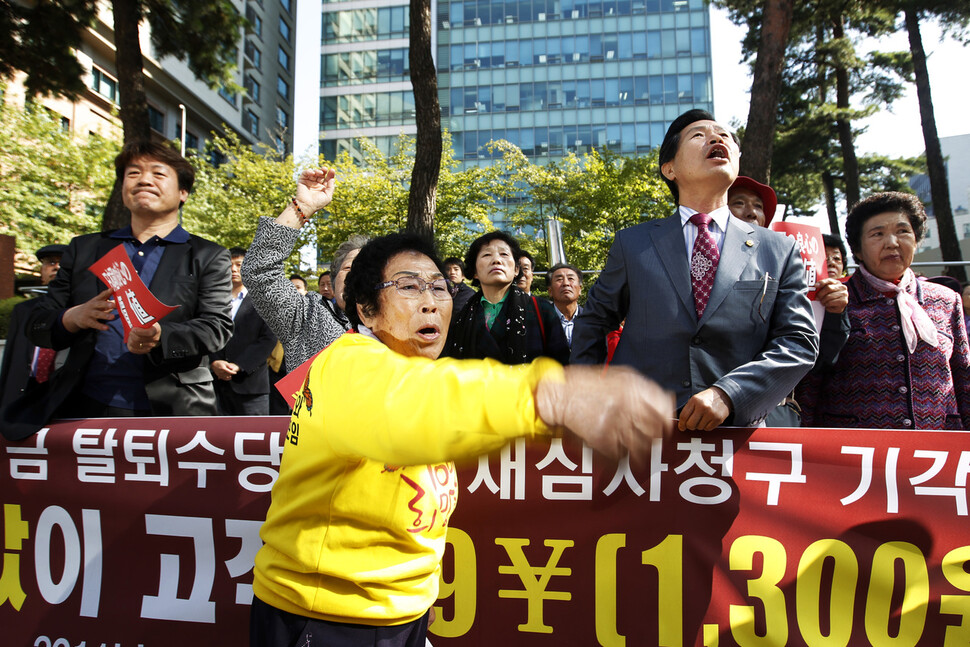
x=749, y=243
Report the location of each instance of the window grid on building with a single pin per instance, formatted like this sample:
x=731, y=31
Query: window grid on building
x=582, y=74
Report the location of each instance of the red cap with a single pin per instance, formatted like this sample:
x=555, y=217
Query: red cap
x=766, y=193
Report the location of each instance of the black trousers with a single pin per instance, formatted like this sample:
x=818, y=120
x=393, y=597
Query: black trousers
x=235, y=404
x=271, y=627
x=81, y=406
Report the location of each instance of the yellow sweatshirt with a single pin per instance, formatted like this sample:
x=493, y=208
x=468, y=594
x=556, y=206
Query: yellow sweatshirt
x=356, y=528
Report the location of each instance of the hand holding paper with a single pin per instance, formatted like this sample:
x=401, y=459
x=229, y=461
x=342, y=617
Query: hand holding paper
x=90, y=314
x=138, y=307
x=141, y=341
x=832, y=294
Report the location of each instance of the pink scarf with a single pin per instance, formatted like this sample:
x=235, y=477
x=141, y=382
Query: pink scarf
x=916, y=323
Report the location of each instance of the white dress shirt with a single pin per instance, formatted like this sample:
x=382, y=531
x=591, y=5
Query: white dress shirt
x=236, y=302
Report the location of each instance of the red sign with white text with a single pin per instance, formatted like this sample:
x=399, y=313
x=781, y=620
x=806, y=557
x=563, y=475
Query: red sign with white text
x=137, y=306
x=809, y=239
x=143, y=531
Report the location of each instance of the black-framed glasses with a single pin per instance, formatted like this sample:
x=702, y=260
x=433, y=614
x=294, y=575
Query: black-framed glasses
x=414, y=286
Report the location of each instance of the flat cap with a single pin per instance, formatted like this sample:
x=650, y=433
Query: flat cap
x=51, y=250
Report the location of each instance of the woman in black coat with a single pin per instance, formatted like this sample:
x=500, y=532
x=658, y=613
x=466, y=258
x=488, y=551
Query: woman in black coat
x=502, y=321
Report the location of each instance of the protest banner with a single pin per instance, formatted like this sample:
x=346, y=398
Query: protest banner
x=128, y=532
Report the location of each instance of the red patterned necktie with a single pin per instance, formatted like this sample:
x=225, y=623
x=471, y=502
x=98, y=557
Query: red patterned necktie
x=45, y=364
x=703, y=263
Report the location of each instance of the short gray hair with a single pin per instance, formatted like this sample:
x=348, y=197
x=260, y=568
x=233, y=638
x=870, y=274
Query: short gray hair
x=356, y=241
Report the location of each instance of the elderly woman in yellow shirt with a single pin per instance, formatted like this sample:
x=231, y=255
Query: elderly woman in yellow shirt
x=356, y=529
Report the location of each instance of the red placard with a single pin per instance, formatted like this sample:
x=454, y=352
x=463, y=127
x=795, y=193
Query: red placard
x=291, y=383
x=809, y=239
x=137, y=306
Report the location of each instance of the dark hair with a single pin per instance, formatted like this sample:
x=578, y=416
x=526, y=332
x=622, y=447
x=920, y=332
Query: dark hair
x=525, y=254
x=471, y=257
x=367, y=272
x=297, y=277
x=831, y=240
x=323, y=274
x=878, y=203
x=237, y=252
x=160, y=152
x=671, y=142
x=454, y=260
x=567, y=266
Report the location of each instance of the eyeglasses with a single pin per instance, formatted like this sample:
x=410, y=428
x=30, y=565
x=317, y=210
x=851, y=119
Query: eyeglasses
x=414, y=286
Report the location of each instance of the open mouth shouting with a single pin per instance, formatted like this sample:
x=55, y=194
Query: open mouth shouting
x=718, y=151
x=430, y=332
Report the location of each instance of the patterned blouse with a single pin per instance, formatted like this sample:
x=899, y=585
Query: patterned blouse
x=303, y=323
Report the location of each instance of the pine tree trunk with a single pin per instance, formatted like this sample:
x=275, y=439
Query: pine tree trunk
x=850, y=164
x=759, y=132
x=131, y=90
x=939, y=187
x=427, y=154
x=829, y=183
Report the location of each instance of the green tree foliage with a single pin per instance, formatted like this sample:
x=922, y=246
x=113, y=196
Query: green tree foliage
x=469, y=201
x=46, y=35
x=40, y=38
x=828, y=87
x=228, y=199
x=594, y=196
x=372, y=198
x=882, y=173
x=204, y=34
x=6, y=309
x=53, y=184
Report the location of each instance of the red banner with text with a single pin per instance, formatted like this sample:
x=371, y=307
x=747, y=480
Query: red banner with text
x=143, y=532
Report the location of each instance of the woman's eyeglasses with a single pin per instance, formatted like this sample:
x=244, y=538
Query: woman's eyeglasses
x=414, y=286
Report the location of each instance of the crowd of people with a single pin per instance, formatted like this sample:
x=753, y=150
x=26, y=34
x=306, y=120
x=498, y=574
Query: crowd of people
x=703, y=319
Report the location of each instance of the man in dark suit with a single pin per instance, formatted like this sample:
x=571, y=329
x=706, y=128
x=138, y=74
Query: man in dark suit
x=716, y=309
x=565, y=286
x=162, y=370
x=242, y=375
x=23, y=362
x=460, y=292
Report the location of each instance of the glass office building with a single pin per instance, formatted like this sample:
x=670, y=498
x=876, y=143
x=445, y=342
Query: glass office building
x=551, y=76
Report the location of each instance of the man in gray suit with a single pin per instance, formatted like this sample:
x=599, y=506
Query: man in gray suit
x=716, y=309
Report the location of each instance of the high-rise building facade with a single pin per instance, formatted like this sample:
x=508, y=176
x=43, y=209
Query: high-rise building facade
x=551, y=76
x=268, y=60
x=365, y=77
x=262, y=113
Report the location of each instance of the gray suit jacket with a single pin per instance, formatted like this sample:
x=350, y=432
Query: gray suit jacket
x=757, y=337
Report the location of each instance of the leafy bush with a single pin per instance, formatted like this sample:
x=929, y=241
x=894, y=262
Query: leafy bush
x=6, y=307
